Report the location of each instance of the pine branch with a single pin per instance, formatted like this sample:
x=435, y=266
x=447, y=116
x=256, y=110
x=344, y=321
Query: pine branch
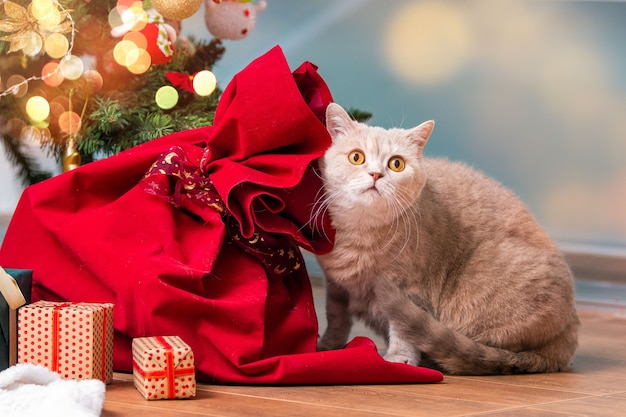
x=27, y=169
x=359, y=115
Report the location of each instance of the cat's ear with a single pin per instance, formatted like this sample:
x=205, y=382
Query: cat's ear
x=338, y=121
x=421, y=133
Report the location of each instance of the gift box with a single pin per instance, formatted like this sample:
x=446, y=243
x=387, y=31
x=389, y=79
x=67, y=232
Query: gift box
x=15, y=286
x=73, y=339
x=163, y=367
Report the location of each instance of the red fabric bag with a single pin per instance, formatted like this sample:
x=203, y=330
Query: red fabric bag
x=196, y=234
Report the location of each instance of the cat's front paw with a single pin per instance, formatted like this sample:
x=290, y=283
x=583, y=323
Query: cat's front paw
x=327, y=343
x=402, y=358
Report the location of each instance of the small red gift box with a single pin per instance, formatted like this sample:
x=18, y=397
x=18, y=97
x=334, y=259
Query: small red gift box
x=163, y=367
x=72, y=339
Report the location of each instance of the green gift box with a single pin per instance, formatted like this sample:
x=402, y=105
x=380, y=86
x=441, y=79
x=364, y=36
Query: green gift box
x=15, y=285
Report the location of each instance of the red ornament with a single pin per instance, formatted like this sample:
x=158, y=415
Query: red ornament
x=159, y=45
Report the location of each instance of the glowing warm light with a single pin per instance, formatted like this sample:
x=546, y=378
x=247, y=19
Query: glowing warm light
x=31, y=134
x=135, y=17
x=46, y=13
x=52, y=75
x=46, y=136
x=58, y=106
x=72, y=67
x=69, y=122
x=31, y=43
x=166, y=97
x=204, y=83
x=115, y=19
x=56, y=45
x=125, y=53
x=137, y=38
x=93, y=80
x=14, y=126
x=18, y=85
x=37, y=108
x=428, y=42
x=142, y=61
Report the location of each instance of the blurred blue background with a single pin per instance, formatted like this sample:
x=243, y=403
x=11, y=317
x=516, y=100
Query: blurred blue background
x=531, y=92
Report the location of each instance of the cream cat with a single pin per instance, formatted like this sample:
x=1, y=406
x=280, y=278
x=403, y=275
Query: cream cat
x=444, y=262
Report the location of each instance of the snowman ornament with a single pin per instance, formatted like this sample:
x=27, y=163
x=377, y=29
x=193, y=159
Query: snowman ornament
x=231, y=19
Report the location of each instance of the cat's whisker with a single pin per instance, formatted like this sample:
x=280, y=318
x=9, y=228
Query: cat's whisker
x=441, y=260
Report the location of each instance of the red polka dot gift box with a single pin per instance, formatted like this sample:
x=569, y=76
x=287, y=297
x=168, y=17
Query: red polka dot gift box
x=163, y=368
x=73, y=339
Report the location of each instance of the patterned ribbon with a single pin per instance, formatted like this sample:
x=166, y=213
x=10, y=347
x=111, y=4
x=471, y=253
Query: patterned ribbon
x=177, y=179
x=170, y=372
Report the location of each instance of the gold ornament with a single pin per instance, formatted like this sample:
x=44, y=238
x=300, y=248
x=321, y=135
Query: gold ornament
x=176, y=9
x=71, y=157
x=28, y=29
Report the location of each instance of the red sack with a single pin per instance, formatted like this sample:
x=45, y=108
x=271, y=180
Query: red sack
x=196, y=234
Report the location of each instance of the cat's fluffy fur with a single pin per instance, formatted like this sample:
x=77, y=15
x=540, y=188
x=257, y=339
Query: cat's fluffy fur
x=443, y=261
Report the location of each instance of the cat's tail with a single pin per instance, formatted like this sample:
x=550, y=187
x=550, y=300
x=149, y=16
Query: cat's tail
x=455, y=353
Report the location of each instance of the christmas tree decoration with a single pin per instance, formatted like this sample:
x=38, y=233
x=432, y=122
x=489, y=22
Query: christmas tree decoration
x=71, y=157
x=177, y=9
x=231, y=19
x=29, y=28
x=159, y=45
x=98, y=65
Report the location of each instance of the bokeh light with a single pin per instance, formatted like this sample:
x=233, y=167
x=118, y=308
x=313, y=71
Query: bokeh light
x=14, y=126
x=18, y=85
x=204, y=83
x=135, y=17
x=58, y=106
x=46, y=136
x=166, y=97
x=142, y=61
x=69, y=122
x=428, y=42
x=52, y=75
x=46, y=13
x=56, y=45
x=137, y=38
x=72, y=67
x=37, y=108
x=31, y=43
x=125, y=53
x=93, y=81
x=31, y=134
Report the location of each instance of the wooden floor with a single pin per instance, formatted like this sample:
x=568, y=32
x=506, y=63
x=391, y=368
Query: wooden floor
x=596, y=386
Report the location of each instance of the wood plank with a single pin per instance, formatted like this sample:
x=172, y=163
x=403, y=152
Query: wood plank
x=596, y=386
x=605, y=406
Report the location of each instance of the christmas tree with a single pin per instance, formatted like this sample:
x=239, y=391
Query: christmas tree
x=119, y=92
x=87, y=79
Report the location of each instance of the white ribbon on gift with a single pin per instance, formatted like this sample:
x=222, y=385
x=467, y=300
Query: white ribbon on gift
x=10, y=290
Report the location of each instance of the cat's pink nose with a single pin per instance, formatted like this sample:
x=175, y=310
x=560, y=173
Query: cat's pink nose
x=376, y=175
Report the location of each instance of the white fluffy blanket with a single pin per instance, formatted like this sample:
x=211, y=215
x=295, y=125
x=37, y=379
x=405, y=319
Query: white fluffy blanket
x=30, y=390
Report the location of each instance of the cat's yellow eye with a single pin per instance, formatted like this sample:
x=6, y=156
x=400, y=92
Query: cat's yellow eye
x=356, y=157
x=396, y=164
